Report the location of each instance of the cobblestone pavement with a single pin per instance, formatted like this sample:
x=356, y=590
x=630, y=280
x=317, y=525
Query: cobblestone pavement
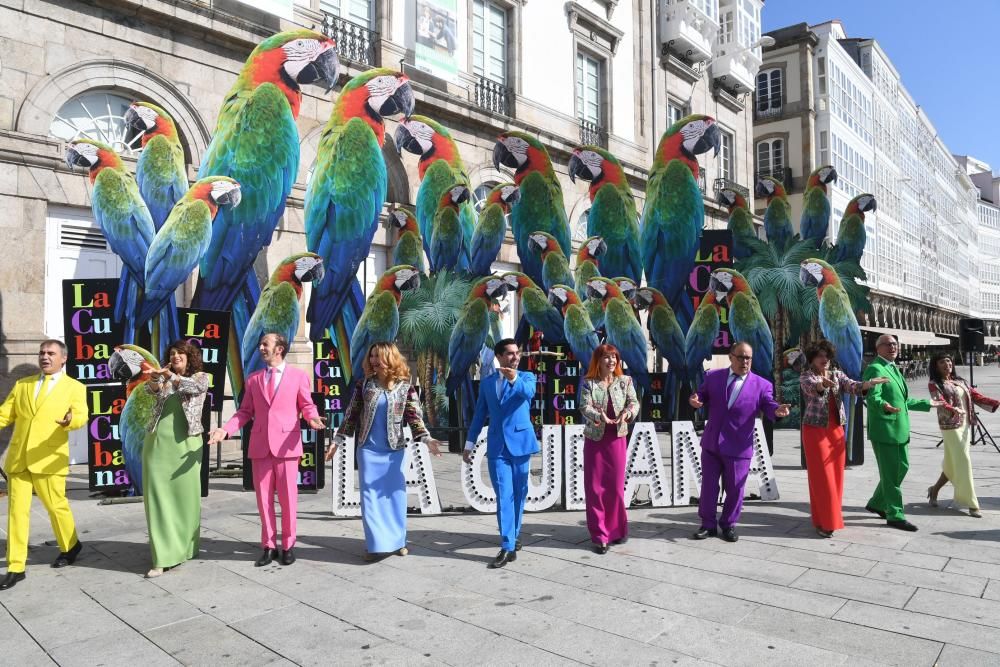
x=781, y=595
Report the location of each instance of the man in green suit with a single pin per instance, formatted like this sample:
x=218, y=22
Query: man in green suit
x=889, y=408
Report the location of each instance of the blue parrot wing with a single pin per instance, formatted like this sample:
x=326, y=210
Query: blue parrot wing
x=840, y=327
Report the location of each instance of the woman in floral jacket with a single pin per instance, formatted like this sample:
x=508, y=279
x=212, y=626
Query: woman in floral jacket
x=823, y=442
x=954, y=420
x=378, y=409
x=608, y=403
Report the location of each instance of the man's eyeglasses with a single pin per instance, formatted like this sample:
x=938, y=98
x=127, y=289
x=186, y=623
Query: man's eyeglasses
x=743, y=357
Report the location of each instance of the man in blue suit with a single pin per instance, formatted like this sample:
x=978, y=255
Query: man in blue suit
x=510, y=442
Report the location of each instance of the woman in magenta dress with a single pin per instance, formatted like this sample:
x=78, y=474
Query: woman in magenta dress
x=608, y=403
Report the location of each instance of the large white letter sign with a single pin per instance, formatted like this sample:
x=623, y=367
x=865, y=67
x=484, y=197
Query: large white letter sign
x=686, y=469
x=576, y=498
x=761, y=469
x=417, y=470
x=541, y=496
x=645, y=465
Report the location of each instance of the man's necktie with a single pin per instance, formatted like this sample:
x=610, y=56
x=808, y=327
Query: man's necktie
x=43, y=389
x=271, y=380
x=729, y=389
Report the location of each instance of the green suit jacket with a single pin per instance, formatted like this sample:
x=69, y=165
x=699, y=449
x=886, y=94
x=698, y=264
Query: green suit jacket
x=884, y=427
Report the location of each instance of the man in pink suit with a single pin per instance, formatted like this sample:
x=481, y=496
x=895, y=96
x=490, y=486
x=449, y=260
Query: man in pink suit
x=734, y=396
x=273, y=399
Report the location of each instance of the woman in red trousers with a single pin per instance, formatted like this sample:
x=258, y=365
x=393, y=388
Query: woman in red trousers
x=608, y=403
x=823, y=420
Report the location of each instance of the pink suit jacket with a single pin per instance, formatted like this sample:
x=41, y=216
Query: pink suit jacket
x=275, y=429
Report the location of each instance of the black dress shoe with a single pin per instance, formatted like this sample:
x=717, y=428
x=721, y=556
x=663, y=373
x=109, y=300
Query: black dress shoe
x=517, y=545
x=729, y=534
x=704, y=533
x=503, y=558
x=902, y=525
x=600, y=549
x=875, y=511
x=287, y=557
x=266, y=557
x=69, y=557
x=11, y=580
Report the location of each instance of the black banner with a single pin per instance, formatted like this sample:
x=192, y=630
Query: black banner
x=90, y=329
x=562, y=382
x=714, y=252
x=209, y=330
x=105, y=461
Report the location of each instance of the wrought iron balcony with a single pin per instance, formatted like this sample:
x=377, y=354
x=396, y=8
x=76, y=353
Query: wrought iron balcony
x=783, y=174
x=494, y=97
x=355, y=43
x=766, y=114
x=592, y=134
x=726, y=184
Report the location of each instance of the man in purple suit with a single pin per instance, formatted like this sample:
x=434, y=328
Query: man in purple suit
x=734, y=397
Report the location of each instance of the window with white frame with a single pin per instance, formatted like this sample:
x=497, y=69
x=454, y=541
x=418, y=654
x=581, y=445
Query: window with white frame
x=769, y=90
x=821, y=74
x=727, y=168
x=771, y=158
x=489, y=41
x=588, y=87
x=676, y=111
x=355, y=11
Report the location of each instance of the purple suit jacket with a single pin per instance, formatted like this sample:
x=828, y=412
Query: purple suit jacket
x=729, y=431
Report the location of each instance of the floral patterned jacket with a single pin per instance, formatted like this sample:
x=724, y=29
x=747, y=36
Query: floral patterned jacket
x=192, y=391
x=403, y=406
x=594, y=401
x=949, y=417
x=816, y=411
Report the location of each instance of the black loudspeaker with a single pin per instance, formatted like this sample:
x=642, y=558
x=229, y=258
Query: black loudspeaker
x=971, y=334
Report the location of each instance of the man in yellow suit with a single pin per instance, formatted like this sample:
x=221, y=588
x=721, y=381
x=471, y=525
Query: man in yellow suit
x=43, y=408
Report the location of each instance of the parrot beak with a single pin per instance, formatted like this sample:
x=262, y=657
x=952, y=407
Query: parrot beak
x=406, y=141
x=400, y=102
x=833, y=176
x=595, y=292
x=712, y=138
x=556, y=300
x=502, y=156
x=135, y=126
x=577, y=168
x=232, y=198
x=869, y=205
x=324, y=71
x=75, y=158
x=461, y=195
x=316, y=273
x=761, y=189
x=807, y=278
x=514, y=196
x=120, y=367
x=643, y=300
x=726, y=198
x=601, y=249
x=413, y=282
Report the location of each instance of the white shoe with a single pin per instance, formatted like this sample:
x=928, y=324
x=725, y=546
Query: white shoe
x=155, y=572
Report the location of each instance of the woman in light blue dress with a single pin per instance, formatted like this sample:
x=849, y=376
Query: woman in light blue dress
x=375, y=416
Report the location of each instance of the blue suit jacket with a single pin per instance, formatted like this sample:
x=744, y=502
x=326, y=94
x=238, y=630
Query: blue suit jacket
x=510, y=421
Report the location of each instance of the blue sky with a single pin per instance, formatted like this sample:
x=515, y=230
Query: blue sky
x=947, y=53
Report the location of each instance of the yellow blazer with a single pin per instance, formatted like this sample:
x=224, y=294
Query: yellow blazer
x=39, y=444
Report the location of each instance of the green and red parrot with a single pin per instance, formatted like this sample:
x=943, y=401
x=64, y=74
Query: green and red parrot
x=123, y=218
x=746, y=320
x=488, y=237
x=778, y=216
x=612, y=214
x=449, y=246
x=540, y=208
x=379, y=322
x=588, y=262
x=851, y=235
x=674, y=214
x=701, y=336
x=409, y=247
x=278, y=307
x=471, y=329
x=666, y=336
x=578, y=331
x=836, y=317
x=740, y=221
x=131, y=364
x=440, y=167
x=177, y=248
x=815, y=220
x=555, y=265
x=622, y=328
x=256, y=143
x=160, y=171
x=345, y=198
x=535, y=306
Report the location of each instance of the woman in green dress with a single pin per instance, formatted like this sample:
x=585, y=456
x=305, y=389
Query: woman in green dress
x=171, y=458
x=955, y=418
